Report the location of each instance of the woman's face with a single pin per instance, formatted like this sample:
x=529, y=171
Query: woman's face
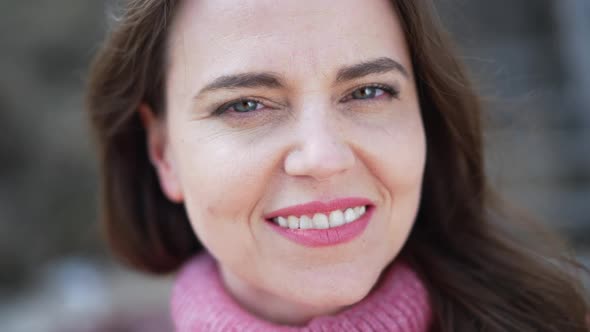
x=272, y=105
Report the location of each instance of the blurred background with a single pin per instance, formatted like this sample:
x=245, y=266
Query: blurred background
x=530, y=59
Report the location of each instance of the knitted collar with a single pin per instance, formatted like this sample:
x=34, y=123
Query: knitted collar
x=200, y=303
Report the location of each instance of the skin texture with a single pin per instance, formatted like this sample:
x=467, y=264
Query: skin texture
x=306, y=141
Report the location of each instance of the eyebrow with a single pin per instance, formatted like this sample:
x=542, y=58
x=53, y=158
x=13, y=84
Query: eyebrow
x=273, y=81
x=245, y=80
x=377, y=66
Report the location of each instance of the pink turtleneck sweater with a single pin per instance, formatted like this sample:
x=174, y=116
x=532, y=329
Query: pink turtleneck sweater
x=201, y=303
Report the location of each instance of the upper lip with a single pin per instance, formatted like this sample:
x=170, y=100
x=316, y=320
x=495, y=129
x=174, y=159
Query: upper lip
x=314, y=207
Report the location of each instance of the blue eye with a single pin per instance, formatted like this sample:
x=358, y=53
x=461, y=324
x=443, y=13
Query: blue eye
x=246, y=105
x=240, y=106
x=367, y=92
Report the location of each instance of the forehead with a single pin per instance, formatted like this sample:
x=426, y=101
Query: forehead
x=289, y=37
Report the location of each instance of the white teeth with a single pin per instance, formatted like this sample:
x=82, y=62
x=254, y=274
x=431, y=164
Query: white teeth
x=305, y=222
x=349, y=215
x=293, y=222
x=282, y=221
x=336, y=218
x=357, y=210
x=321, y=221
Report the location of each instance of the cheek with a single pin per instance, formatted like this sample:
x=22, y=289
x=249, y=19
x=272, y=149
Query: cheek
x=396, y=151
x=397, y=158
x=221, y=179
x=406, y=158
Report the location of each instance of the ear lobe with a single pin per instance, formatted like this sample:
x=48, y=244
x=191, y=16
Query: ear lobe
x=159, y=153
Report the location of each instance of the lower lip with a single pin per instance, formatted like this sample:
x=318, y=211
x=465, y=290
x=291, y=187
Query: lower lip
x=328, y=236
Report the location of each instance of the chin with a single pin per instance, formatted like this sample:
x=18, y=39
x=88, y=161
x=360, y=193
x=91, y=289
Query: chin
x=333, y=293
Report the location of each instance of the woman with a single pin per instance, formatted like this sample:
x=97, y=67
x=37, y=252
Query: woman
x=314, y=166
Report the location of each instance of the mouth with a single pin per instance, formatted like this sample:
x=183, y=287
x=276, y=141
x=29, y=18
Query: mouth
x=320, y=224
x=335, y=218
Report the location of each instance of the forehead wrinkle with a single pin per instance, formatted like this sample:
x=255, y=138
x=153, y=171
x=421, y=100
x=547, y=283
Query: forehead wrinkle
x=253, y=33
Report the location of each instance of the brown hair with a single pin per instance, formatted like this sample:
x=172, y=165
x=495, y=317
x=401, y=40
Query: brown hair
x=481, y=276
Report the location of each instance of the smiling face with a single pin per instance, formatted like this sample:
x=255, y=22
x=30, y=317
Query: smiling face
x=271, y=105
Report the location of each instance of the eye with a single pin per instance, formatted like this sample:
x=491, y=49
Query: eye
x=372, y=91
x=245, y=105
x=367, y=92
x=240, y=106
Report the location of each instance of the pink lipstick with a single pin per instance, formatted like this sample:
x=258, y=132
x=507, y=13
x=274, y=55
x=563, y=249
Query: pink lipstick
x=356, y=221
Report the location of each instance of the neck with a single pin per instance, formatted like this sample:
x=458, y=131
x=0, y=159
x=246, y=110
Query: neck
x=205, y=298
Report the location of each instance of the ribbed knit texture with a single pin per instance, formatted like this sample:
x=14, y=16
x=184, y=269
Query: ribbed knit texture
x=200, y=303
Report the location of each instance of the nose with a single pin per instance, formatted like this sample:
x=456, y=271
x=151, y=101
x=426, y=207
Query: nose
x=321, y=150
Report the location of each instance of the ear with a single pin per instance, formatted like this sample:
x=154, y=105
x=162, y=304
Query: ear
x=160, y=155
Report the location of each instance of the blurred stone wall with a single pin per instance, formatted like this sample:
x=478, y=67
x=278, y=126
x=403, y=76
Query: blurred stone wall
x=531, y=62
x=47, y=173
x=528, y=57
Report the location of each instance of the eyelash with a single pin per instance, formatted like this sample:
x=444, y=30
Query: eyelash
x=389, y=90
